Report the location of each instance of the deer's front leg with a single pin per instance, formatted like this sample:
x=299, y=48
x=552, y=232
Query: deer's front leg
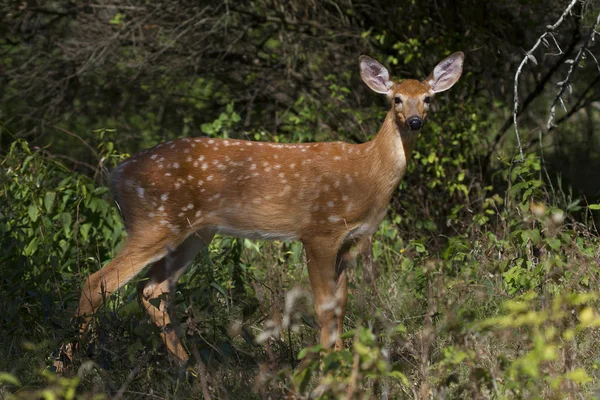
x=327, y=273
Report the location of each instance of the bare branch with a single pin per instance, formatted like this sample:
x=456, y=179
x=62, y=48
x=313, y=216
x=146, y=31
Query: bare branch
x=528, y=57
x=565, y=83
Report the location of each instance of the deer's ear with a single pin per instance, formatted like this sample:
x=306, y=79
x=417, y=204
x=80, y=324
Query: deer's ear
x=446, y=73
x=375, y=75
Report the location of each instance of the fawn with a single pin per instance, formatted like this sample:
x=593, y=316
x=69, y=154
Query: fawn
x=177, y=195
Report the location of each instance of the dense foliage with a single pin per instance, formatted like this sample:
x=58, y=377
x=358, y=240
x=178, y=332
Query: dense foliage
x=486, y=269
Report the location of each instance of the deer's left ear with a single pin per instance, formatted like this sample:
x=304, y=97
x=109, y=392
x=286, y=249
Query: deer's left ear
x=446, y=73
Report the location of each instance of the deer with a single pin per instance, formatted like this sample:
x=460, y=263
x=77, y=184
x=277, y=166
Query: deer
x=331, y=196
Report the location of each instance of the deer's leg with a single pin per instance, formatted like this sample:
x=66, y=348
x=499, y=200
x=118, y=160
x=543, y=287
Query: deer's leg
x=343, y=259
x=161, y=279
x=326, y=270
x=137, y=252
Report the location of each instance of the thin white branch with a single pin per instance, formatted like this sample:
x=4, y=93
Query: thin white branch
x=595, y=59
x=528, y=57
x=565, y=83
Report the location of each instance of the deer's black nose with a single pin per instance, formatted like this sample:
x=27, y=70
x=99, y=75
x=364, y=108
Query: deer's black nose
x=414, y=123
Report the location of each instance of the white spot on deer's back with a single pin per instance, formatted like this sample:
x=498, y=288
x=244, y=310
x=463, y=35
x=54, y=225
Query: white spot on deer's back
x=333, y=218
x=140, y=191
x=175, y=165
x=204, y=166
x=210, y=141
x=153, y=156
x=209, y=178
x=164, y=196
x=330, y=204
x=337, y=158
x=200, y=182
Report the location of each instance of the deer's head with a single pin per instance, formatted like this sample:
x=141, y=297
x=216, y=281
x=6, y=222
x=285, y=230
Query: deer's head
x=410, y=99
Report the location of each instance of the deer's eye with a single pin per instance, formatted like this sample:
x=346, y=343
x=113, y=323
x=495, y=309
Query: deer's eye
x=397, y=100
x=427, y=100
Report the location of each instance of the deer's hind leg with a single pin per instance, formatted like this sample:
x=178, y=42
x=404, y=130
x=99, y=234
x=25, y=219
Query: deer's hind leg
x=137, y=252
x=161, y=279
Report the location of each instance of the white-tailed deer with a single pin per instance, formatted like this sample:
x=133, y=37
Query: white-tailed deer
x=177, y=195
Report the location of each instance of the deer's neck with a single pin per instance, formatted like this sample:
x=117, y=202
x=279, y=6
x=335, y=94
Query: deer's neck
x=393, y=145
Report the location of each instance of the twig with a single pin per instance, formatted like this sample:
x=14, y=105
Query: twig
x=565, y=83
x=131, y=376
x=529, y=56
x=86, y=144
x=581, y=102
x=62, y=156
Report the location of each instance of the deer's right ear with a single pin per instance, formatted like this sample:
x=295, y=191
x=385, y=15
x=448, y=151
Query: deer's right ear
x=375, y=75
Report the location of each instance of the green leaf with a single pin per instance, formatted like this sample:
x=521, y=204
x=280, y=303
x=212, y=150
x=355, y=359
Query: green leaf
x=553, y=243
x=251, y=245
x=31, y=248
x=220, y=289
x=84, y=230
x=312, y=349
x=65, y=220
x=49, y=201
x=594, y=206
x=399, y=375
x=579, y=376
x=9, y=378
x=33, y=212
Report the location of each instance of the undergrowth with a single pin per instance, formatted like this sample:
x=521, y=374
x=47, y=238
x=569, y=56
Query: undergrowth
x=504, y=305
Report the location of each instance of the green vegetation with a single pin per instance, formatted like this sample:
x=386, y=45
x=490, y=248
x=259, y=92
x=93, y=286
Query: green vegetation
x=486, y=272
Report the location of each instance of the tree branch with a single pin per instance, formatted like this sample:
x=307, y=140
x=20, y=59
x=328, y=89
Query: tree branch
x=565, y=83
